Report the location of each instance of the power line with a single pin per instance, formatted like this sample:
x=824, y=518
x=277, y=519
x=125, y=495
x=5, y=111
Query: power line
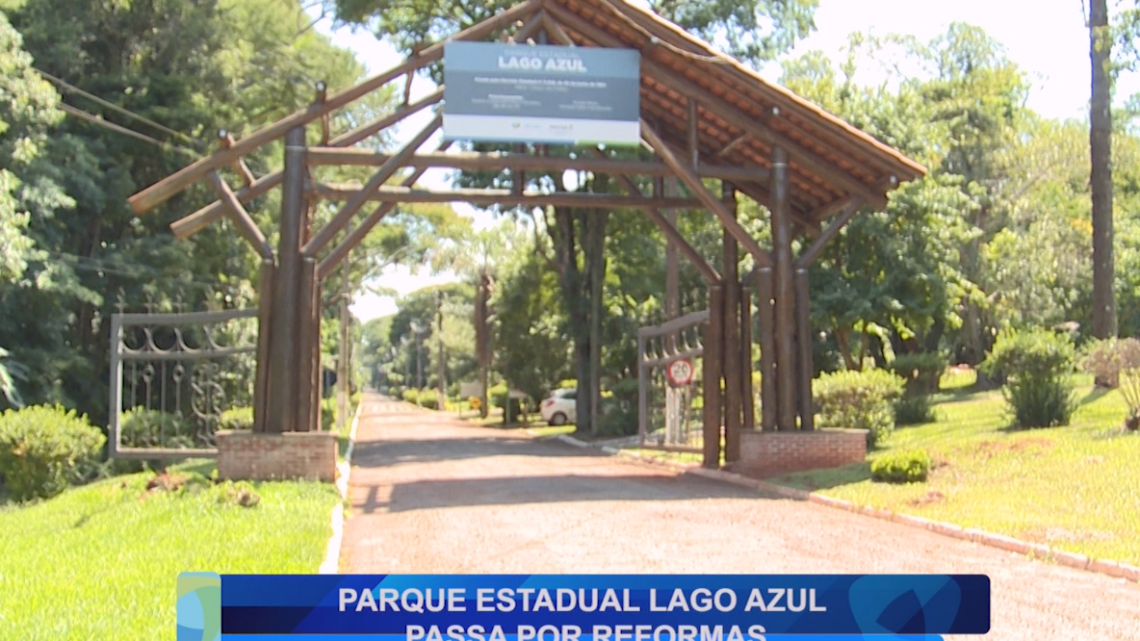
x=110, y=105
x=96, y=120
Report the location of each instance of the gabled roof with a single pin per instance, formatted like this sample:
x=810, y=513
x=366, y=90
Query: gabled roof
x=741, y=115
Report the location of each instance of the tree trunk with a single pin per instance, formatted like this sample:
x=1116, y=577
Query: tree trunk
x=595, y=273
x=1100, y=151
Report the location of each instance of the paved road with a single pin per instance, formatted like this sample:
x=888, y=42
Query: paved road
x=434, y=495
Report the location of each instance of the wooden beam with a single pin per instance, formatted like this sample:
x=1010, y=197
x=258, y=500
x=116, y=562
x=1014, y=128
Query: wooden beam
x=832, y=230
x=733, y=386
x=189, y=225
x=330, y=262
x=727, y=149
x=762, y=196
x=491, y=197
x=746, y=123
x=711, y=377
x=499, y=161
x=784, y=295
x=693, y=182
x=246, y=227
x=159, y=192
x=670, y=231
x=528, y=29
x=386, y=171
x=766, y=321
x=555, y=31
x=693, y=133
x=804, y=367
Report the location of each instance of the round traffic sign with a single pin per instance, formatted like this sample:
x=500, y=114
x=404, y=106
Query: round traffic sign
x=680, y=372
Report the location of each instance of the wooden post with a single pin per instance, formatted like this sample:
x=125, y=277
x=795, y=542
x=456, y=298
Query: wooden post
x=766, y=314
x=712, y=371
x=314, y=374
x=803, y=343
x=749, y=406
x=264, y=325
x=731, y=324
x=281, y=415
x=306, y=338
x=343, y=347
x=784, y=294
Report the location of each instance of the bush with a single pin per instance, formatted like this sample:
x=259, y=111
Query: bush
x=411, y=396
x=147, y=428
x=901, y=467
x=238, y=418
x=859, y=400
x=1037, y=366
x=920, y=371
x=429, y=399
x=914, y=409
x=1106, y=359
x=618, y=416
x=44, y=449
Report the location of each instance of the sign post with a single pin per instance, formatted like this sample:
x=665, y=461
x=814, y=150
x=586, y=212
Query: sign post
x=680, y=372
x=541, y=94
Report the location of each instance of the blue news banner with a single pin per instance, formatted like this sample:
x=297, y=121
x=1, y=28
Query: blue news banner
x=580, y=607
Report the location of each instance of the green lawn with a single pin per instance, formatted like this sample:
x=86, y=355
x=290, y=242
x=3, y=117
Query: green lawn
x=1076, y=488
x=100, y=562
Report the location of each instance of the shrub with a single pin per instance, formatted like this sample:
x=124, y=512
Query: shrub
x=411, y=396
x=920, y=371
x=901, y=467
x=1130, y=390
x=1106, y=359
x=429, y=399
x=147, y=428
x=1037, y=366
x=238, y=418
x=859, y=400
x=618, y=415
x=44, y=449
x=914, y=409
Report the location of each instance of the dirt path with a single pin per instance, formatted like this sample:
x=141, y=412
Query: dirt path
x=432, y=494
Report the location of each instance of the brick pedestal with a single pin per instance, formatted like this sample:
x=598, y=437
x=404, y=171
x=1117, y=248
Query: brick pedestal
x=765, y=454
x=244, y=455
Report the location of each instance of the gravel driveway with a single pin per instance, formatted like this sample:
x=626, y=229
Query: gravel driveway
x=432, y=494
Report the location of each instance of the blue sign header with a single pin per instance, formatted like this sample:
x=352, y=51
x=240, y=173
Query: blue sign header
x=603, y=607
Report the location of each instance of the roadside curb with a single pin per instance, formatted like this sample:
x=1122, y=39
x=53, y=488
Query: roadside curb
x=1034, y=551
x=331, y=564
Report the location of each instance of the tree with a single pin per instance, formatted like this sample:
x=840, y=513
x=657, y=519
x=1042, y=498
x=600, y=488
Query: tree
x=1100, y=153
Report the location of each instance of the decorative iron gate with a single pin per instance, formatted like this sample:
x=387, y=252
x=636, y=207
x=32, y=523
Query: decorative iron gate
x=667, y=413
x=173, y=376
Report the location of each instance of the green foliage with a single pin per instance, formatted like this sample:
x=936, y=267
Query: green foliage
x=411, y=396
x=859, y=400
x=1130, y=391
x=238, y=418
x=909, y=466
x=619, y=409
x=148, y=428
x=1037, y=366
x=1107, y=359
x=429, y=398
x=43, y=449
x=922, y=373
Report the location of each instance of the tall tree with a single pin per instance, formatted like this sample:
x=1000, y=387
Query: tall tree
x=1100, y=152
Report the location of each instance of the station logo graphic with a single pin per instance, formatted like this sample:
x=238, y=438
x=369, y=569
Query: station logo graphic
x=199, y=606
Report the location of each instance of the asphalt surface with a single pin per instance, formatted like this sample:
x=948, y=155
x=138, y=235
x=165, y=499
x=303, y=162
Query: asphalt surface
x=433, y=494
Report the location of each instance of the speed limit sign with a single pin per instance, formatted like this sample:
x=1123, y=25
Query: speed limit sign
x=680, y=372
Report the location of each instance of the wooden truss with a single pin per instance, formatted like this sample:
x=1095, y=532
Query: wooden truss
x=704, y=118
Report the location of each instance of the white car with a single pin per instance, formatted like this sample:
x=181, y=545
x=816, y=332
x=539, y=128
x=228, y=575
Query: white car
x=560, y=407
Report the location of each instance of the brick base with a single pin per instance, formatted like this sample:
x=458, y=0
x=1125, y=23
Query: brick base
x=249, y=456
x=765, y=454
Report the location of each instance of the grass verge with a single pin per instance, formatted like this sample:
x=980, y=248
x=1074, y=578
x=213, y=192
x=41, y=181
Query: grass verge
x=1075, y=488
x=100, y=561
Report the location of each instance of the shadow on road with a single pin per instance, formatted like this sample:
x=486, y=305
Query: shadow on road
x=388, y=452
x=555, y=488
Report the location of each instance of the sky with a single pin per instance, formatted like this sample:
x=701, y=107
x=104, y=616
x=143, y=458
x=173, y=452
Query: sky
x=1046, y=38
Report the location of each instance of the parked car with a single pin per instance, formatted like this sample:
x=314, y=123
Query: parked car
x=559, y=407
